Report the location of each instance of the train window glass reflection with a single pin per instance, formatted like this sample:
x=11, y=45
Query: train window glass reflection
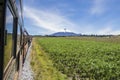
x=8, y=36
x=19, y=9
x=18, y=37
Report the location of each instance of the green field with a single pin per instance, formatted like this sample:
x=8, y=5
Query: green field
x=8, y=50
x=42, y=65
x=86, y=58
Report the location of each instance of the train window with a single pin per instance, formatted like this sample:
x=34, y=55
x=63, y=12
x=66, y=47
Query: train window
x=19, y=9
x=8, y=36
x=18, y=37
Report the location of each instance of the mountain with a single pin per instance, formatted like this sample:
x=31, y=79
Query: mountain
x=65, y=34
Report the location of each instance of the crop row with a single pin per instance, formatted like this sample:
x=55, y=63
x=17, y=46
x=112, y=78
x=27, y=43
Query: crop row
x=84, y=59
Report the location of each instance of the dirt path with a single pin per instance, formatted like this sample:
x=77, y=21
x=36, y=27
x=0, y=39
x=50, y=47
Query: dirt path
x=27, y=73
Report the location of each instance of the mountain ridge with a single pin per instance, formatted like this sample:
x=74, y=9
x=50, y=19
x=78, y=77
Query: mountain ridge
x=65, y=34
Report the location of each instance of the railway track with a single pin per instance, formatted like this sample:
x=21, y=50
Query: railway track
x=27, y=73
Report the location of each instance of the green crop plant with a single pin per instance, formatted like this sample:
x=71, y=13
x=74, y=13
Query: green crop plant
x=79, y=58
x=42, y=66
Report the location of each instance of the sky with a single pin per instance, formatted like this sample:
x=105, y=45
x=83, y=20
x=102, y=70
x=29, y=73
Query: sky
x=44, y=17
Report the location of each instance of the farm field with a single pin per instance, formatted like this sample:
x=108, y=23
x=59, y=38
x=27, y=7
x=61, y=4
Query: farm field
x=8, y=50
x=42, y=65
x=86, y=58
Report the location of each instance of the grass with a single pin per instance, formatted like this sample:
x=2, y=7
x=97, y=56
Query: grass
x=8, y=50
x=42, y=65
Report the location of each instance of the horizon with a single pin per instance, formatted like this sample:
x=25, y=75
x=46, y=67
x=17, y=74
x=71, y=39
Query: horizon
x=99, y=17
x=82, y=34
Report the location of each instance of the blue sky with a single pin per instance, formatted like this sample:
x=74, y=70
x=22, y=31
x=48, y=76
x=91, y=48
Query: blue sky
x=80, y=16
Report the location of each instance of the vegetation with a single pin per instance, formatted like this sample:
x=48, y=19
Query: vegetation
x=8, y=50
x=42, y=65
x=79, y=58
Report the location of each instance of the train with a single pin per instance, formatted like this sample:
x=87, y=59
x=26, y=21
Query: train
x=14, y=39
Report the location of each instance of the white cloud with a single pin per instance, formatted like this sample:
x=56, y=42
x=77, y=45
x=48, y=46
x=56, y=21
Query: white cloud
x=48, y=20
x=108, y=30
x=53, y=21
x=98, y=7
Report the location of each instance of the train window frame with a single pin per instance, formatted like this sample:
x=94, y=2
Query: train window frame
x=6, y=36
x=19, y=51
x=19, y=8
x=2, y=17
x=21, y=37
x=9, y=7
x=18, y=38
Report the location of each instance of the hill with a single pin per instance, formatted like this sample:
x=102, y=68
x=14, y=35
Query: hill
x=65, y=34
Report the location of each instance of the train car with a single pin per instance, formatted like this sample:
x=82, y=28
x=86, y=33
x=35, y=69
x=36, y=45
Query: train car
x=14, y=39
